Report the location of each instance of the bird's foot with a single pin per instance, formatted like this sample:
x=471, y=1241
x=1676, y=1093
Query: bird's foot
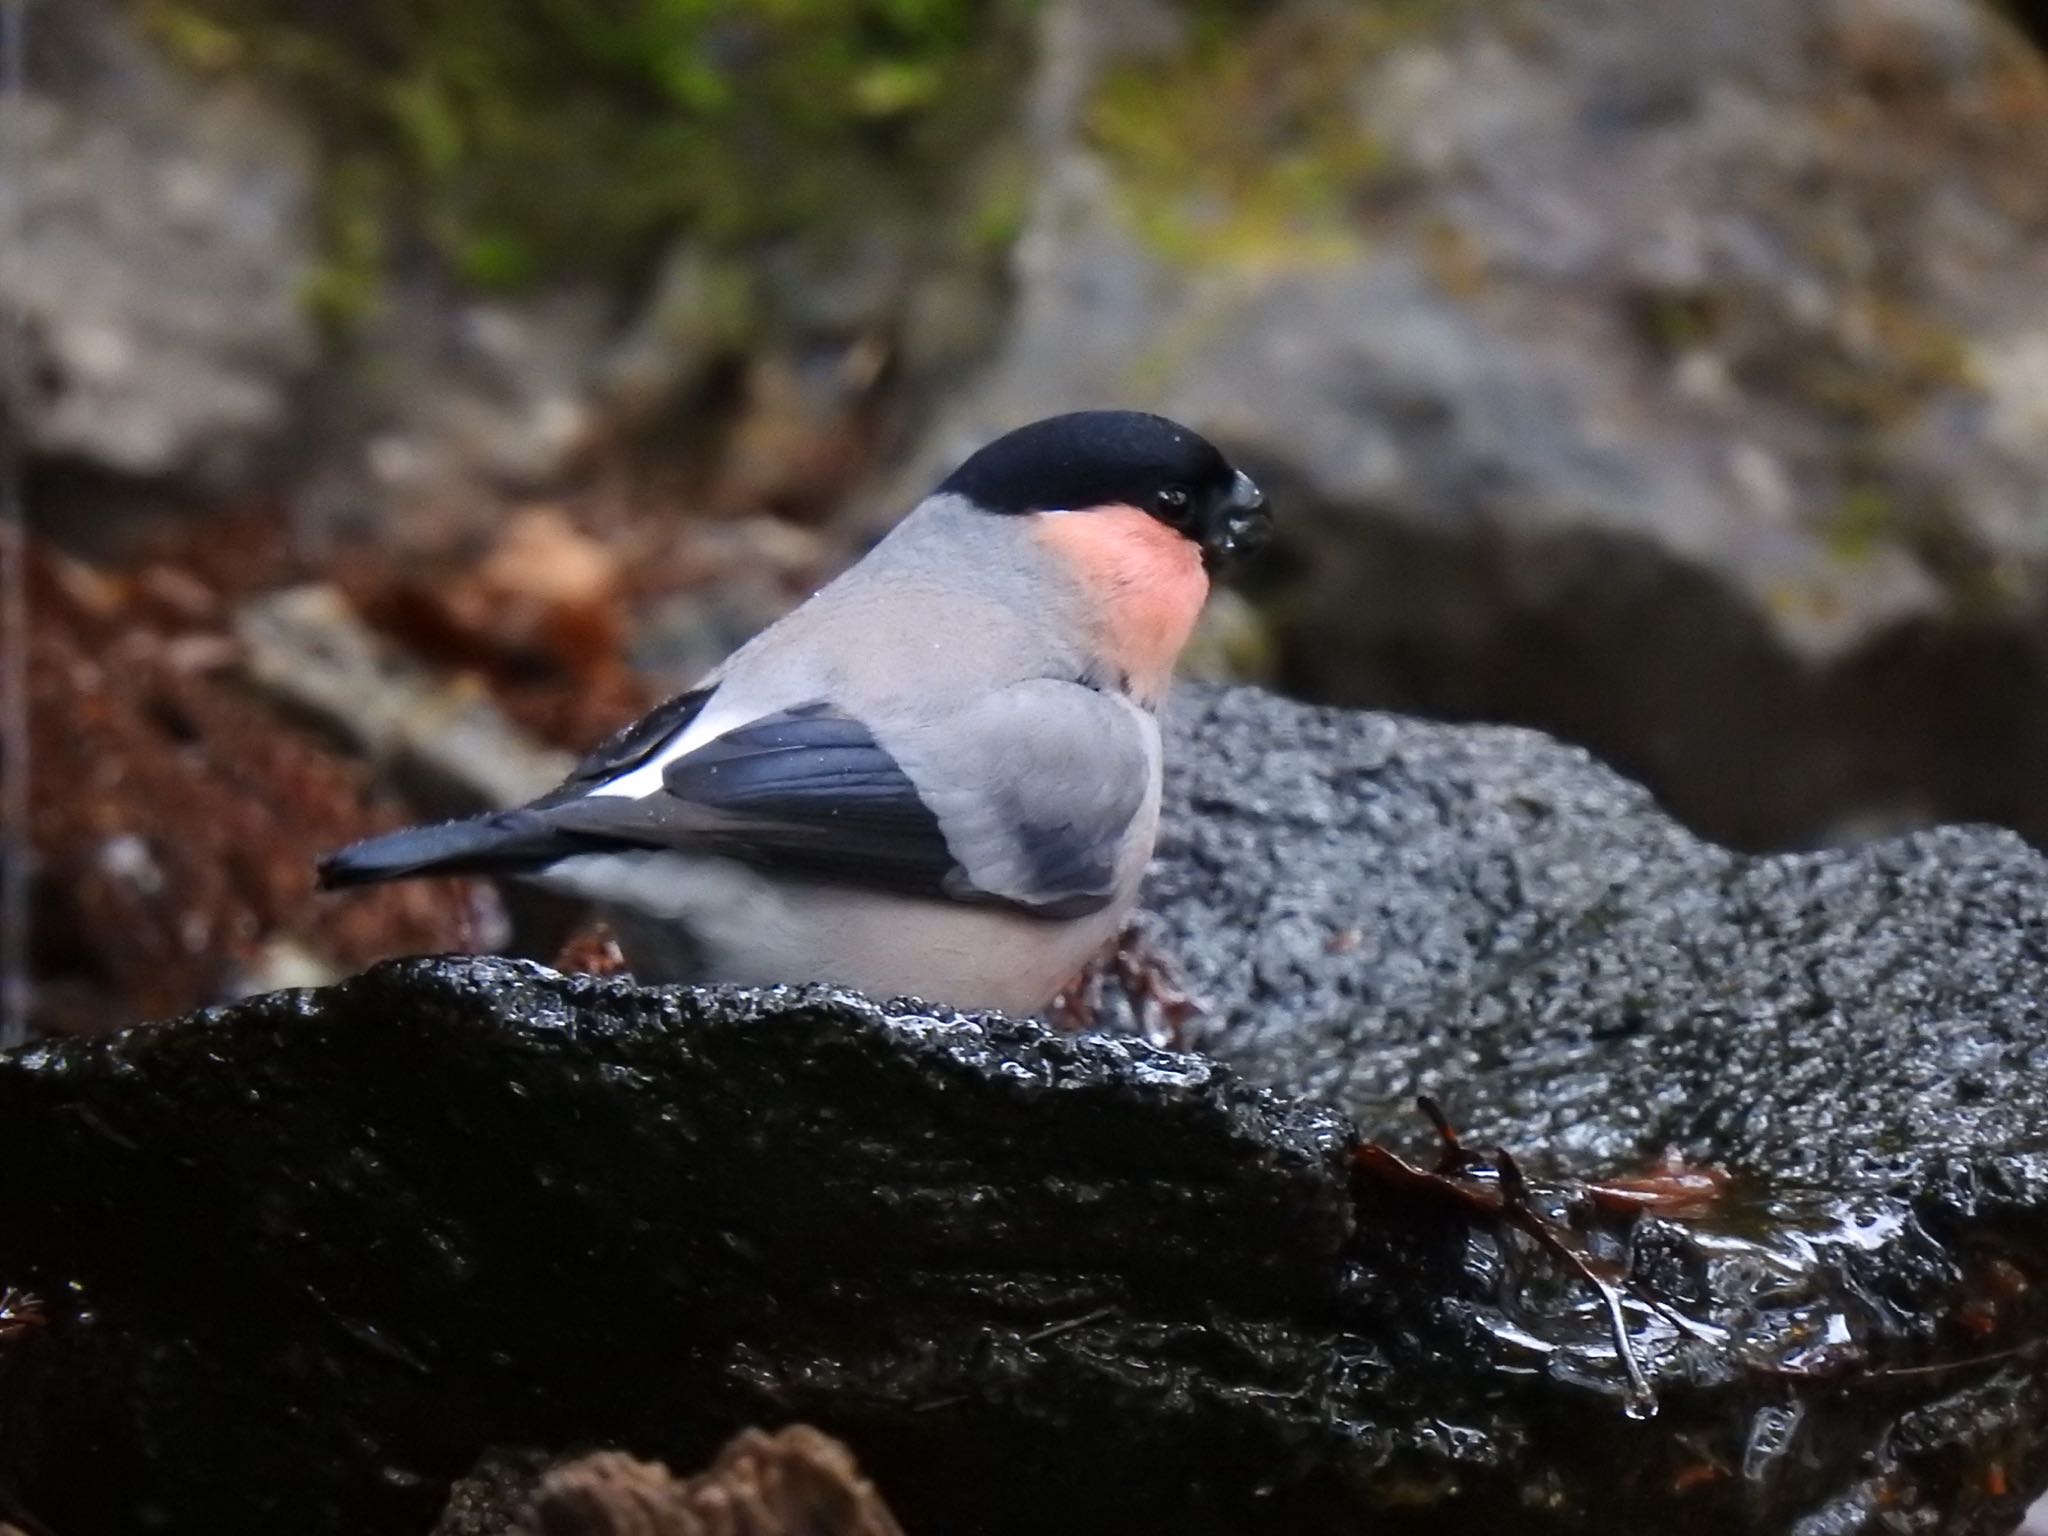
x=1159, y=1004
x=593, y=951
x=1073, y=1008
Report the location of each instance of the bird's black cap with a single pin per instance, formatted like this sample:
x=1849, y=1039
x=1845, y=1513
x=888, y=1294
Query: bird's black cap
x=1131, y=458
x=1089, y=459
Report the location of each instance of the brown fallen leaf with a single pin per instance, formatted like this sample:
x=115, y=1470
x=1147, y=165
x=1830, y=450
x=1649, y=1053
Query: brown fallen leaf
x=794, y=1482
x=541, y=616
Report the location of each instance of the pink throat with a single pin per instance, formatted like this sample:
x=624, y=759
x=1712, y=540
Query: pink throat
x=1144, y=585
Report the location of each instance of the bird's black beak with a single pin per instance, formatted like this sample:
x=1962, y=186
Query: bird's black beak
x=1239, y=527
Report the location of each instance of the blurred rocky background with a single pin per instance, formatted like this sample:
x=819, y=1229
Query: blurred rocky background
x=415, y=390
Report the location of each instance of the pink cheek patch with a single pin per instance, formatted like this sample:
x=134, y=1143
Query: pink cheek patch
x=1145, y=582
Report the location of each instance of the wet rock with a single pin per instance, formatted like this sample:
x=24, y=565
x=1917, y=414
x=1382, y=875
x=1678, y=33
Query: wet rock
x=1667, y=377
x=1385, y=908
x=610, y=1222
x=303, y=1259
x=166, y=232
x=1380, y=908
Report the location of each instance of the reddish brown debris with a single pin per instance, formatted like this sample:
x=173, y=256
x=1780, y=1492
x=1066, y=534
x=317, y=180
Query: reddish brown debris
x=1978, y=1316
x=1672, y=1187
x=1999, y=1283
x=1697, y=1474
x=539, y=614
x=1489, y=1185
x=176, y=818
x=2005, y=1279
x=795, y=1482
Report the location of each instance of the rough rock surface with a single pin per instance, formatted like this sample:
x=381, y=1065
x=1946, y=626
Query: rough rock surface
x=1670, y=377
x=1384, y=908
x=303, y=1259
x=166, y=231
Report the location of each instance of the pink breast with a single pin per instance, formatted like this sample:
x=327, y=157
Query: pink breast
x=1144, y=584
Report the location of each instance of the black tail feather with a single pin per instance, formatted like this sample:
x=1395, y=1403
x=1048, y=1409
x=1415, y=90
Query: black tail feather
x=501, y=843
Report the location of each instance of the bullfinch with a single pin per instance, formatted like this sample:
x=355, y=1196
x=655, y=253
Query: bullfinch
x=938, y=777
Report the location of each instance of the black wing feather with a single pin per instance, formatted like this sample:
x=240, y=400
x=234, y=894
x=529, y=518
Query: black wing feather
x=805, y=791
x=632, y=746
x=810, y=791
x=497, y=843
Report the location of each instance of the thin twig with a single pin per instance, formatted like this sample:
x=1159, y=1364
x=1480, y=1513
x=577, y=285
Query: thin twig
x=1940, y=1367
x=16, y=849
x=1054, y=1330
x=1491, y=1185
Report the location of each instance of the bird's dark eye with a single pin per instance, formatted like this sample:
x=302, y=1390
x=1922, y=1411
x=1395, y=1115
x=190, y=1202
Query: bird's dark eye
x=1172, y=503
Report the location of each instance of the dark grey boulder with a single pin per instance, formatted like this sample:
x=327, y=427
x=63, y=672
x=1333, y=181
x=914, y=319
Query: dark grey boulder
x=1382, y=908
x=303, y=1259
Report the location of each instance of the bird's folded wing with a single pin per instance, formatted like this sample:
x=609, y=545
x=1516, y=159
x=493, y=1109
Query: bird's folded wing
x=1025, y=799
x=632, y=746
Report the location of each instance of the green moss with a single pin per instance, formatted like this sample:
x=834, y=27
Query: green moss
x=1677, y=319
x=343, y=287
x=1908, y=359
x=571, y=137
x=1866, y=519
x=1921, y=521
x=996, y=215
x=1248, y=144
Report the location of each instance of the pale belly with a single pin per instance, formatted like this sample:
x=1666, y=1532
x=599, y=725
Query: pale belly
x=690, y=919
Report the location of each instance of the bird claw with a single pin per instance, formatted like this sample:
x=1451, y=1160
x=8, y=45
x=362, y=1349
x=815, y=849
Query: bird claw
x=1073, y=1008
x=1159, y=1002
x=593, y=951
